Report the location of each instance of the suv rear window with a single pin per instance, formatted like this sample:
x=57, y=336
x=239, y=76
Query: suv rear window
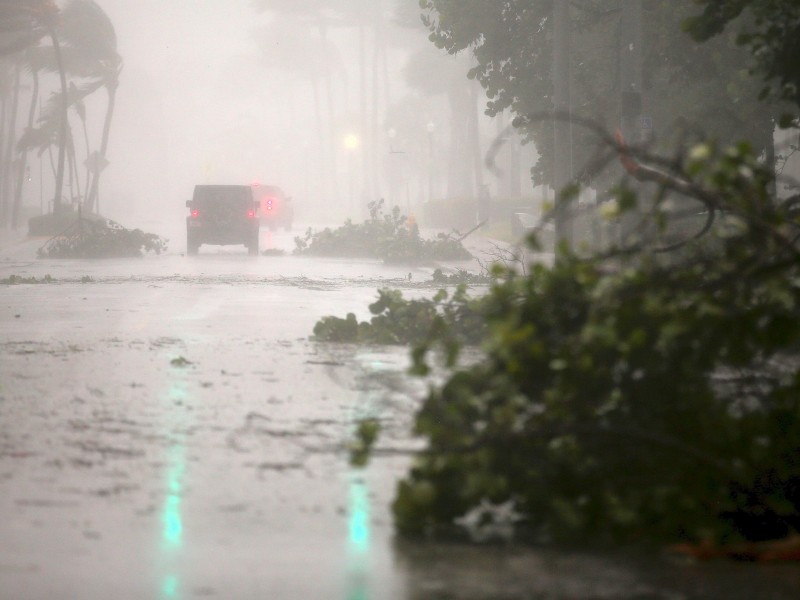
x=230, y=195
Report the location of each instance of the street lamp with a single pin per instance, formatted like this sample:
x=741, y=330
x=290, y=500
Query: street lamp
x=398, y=172
x=351, y=143
x=430, y=127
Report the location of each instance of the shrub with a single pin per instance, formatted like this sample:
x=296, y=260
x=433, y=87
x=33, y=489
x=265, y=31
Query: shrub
x=636, y=395
x=101, y=239
x=386, y=236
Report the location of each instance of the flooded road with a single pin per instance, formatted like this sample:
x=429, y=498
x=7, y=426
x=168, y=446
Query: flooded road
x=168, y=431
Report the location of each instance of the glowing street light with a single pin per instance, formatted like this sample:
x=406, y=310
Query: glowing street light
x=351, y=141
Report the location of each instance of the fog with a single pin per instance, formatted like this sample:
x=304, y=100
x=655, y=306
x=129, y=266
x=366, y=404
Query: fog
x=175, y=100
x=222, y=92
x=197, y=105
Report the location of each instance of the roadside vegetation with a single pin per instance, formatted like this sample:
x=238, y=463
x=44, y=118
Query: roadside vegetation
x=19, y=279
x=632, y=394
x=387, y=236
x=100, y=238
x=72, y=45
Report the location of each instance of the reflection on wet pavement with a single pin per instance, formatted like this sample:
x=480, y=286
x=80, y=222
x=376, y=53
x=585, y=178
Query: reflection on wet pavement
x=358, y=540
x=171, y=517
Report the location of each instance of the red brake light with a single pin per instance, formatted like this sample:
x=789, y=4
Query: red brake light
x=251, y=213
x=195, y=213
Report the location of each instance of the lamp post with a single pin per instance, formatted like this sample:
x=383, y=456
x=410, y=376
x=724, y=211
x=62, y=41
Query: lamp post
x=430, y=128
x=400, y=169
x=392, y=168
x=351, y=143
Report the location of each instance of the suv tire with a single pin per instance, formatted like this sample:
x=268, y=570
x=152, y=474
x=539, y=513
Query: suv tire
x=252, y=247
x=192, y=246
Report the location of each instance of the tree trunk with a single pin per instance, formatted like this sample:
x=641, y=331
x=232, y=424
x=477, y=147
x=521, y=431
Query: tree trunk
x=23, y=159
x=475, y=137
x=74, y=179
x=459, y=176
x=94, y=195
x=562, y=104
x=772, y=188
x=3, y=111
x=9, y=151
x=62, y=132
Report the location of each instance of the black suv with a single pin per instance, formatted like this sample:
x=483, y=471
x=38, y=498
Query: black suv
x=222, y=214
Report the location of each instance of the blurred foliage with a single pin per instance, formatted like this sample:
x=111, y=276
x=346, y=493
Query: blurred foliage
x=512, y=47
x=650, y=399
x=101, y=239
x=632, y=396
x=387, y=236
x=365, y=438
x=770, y=30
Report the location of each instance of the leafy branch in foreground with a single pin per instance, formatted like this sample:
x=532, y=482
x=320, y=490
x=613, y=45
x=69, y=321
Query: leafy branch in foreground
x=632, y=395
x=658, y=400
x=385, y=236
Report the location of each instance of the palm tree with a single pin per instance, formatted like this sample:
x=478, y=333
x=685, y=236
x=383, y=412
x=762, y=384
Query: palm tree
x=29, y=21
x=83, y=43
x=18, y=32
x=90, y=48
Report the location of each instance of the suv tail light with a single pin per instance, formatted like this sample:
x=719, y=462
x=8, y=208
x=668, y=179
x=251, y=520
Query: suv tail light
x=195, y=213
x=251, y=213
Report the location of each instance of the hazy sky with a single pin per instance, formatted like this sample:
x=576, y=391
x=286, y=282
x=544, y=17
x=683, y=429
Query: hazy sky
x=171, y=102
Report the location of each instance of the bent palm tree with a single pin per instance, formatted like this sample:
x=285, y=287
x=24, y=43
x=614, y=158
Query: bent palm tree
x=32, y=20
x=90, y=47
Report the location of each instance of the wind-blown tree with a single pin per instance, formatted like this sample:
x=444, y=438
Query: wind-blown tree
x=90, y=48
x=34, y=20
x=23, y=159
x=10, y=92
x=25, y=23
x=83, y=44
x=691, y=90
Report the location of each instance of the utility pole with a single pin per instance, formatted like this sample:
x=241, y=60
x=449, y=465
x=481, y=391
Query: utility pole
x=562, y=126
x=630, y=70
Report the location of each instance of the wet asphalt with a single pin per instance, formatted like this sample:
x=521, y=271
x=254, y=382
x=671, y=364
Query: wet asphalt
x=169, y=431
